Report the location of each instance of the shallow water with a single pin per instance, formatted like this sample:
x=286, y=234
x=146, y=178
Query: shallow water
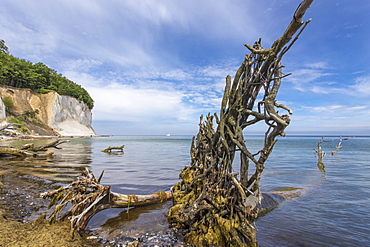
x=333, y=210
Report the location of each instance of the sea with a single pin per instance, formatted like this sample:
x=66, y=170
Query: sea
x=332, y=210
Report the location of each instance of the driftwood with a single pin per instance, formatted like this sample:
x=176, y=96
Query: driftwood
x=88, y=197
x=13, y=152
x=339, y=145
x=30, y=149
x=320, y=156
x=320, y=153
x=109, y=149
x=53, y=144
x=213, y=205
x=10, y=126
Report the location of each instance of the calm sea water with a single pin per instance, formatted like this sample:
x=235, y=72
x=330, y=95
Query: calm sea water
x=334, y=209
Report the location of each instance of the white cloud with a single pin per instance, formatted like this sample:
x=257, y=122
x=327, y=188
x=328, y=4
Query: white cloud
x=361, y=87
x=124, y=102
x=304, y=79
x=318, y=89
x=326, y=109
x=326, y=123
x=318, y=65
x=148, y=96
x=126, y=33
x=337, y=109
x=83, y=65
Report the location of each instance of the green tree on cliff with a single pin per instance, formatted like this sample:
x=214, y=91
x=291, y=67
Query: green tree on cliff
x=3, y=47
x=38, y=77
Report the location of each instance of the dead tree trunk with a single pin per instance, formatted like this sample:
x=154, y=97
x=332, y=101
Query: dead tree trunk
x=320, y=153
x=109, y=149
x=30, y=150
x=88, y=197
x=320, y=156
x=339, y=146
x=213, y=205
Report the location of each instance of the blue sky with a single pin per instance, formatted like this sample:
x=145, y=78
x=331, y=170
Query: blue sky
x=154, y=66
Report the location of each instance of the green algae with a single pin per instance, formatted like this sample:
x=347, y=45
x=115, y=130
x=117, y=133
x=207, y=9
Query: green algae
x=37, y=233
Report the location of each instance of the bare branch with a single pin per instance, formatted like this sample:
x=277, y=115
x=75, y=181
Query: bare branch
x=209, y=192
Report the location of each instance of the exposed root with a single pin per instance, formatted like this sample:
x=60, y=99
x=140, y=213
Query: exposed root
x=213, y=205
x=88, y=197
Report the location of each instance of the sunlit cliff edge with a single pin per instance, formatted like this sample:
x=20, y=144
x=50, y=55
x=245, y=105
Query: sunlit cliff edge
x=56, y=115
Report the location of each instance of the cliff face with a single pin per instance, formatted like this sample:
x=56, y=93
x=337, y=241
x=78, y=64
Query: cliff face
x=2, y=111
x=64, y=114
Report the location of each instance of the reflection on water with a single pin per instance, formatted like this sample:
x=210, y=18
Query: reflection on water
x=147, y=165
x=63, y=166
x=129, y=222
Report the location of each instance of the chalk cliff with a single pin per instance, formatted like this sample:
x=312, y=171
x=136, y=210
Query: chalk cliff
x=2, y=111
x=64, y=115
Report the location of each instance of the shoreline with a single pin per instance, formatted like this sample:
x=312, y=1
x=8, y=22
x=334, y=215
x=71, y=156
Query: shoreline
x=22, y=220
x=21, y=214
x=21, y=209
x=4, y=138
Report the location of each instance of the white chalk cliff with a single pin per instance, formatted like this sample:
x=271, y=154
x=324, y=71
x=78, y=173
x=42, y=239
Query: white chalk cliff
x=2, y=110
x=64, y=114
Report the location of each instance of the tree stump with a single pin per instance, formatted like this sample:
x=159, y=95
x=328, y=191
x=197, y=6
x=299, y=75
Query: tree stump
x=213, y=205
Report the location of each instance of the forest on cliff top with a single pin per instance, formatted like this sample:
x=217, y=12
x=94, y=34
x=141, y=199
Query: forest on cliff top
x=38, y=77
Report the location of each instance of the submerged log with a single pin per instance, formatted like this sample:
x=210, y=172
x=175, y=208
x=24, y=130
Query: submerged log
x=4, y=151
x=109, y=149
x=30, y=150
x=53, y=144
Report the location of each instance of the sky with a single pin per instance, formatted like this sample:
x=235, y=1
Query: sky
x=154, y=66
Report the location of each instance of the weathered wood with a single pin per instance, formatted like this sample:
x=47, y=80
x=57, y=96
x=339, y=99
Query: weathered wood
x=213, y=205
x=89, y=197
x=53, y=144
x=122, y=200
x=13, y=151
x=109, y=149
x=30, y=150
x=320, y=153
x=339, y=145
x=10, y=126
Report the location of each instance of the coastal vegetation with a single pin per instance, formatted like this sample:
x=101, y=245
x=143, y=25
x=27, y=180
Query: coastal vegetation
x=8, y=102
x=38, y=77
x=23, y=123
